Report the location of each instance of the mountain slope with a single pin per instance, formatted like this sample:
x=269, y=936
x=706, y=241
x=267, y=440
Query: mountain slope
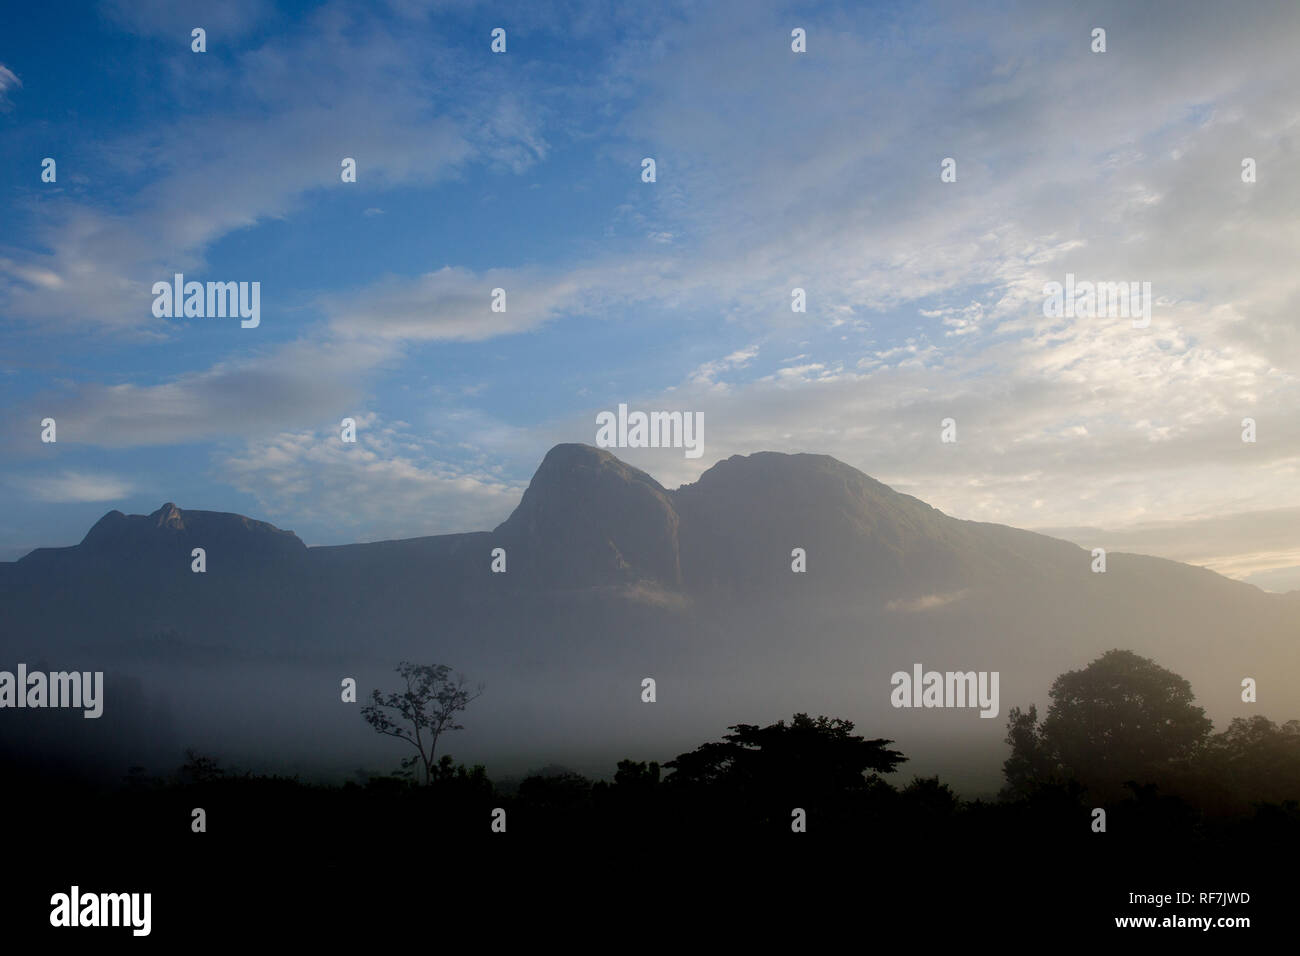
x=610, y=578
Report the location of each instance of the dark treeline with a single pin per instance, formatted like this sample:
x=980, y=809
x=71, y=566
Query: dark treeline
x=1184, y=809
x=1121, y=736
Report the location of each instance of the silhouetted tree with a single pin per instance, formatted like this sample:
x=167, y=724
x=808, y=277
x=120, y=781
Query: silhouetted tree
x=760, y=773
x=1255, y=760
x=823, y=748
x=1121, y=718
x=199, y=769
x=1030, y=766
x=562, y=792
x=425, y=710
x=926, y=796
x=137, y=778
x=637, y=777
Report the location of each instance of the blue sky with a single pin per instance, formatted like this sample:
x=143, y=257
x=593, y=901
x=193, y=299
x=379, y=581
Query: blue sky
x=774, y=170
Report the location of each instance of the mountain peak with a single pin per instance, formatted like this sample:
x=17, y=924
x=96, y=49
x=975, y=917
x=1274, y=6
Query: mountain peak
x=564, y=461
x=170, y=526
x=589, y=517
x=169, y=516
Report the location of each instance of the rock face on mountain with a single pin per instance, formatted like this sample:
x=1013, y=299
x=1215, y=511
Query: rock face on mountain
x=745, y=516
x=611, y=578
x=589, y=520
x=116, y=533
x=171, y=534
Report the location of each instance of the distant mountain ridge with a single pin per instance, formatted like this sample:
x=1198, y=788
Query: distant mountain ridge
x=588, y=519
x=591, y=521
x=118, y=533
x=611, y=577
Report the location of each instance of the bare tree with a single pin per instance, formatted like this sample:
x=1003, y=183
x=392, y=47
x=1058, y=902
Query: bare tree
x=423, y=712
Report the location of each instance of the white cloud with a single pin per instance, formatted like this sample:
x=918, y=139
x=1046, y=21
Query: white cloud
x=392, y=483
x=707, y=373
x=71, y=486
x=451, y=304
x=924, y=298
x=926, y=602
x=299, y=384
x=412, y=110
x=8, y=81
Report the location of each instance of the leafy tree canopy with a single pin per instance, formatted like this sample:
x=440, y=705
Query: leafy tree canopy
x=813, y=755
x=1123, y=717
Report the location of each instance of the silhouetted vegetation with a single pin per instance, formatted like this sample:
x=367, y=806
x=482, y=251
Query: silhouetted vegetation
x=1164, y=780
x=1125, y=731
x=422, y=713
x=1121, y=718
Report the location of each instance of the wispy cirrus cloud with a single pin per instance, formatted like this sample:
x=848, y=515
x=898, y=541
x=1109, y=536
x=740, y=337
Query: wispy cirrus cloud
x=8, y=81
x=392, y=483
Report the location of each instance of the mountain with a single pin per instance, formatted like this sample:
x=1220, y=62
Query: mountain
x=611, y=578
x=588, y=520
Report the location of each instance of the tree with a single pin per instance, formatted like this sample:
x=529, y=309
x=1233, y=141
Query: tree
x=927, y=797
x=1255, y=760
x=1123, y=717
x=566, y=793
x=760, y=773
x=634, y=777
x=199, y=769
x=423, y=712
x=1030, y=766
